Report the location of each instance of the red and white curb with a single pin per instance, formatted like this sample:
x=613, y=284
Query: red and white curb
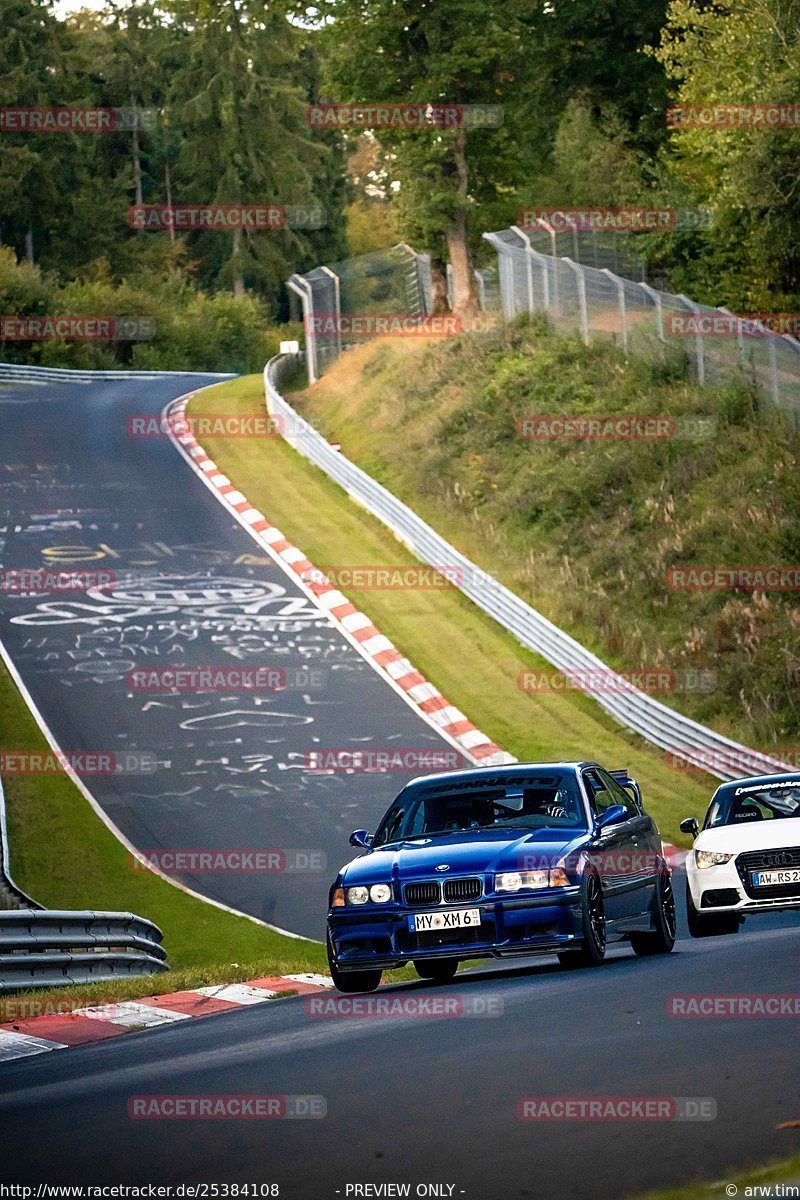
x=56, y=1030
x=356, y=626
x=675, y=855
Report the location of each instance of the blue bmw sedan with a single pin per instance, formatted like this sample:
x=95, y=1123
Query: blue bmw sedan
x=534, y=858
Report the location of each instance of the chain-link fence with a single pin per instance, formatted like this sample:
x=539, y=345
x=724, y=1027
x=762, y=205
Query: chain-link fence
x=598, y=248
x=716, y=346
x=487, y=287
x=337, y=300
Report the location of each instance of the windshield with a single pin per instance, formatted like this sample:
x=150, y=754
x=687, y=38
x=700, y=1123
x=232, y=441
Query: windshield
x=547, y=802
x=755, y=802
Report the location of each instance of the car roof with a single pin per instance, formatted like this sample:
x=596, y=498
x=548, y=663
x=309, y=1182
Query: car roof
x=488, y=775
x=755, y=780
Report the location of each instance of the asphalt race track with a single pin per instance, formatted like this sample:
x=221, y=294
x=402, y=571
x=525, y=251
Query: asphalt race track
x=224, y=771
x=434, y=1100
x=415, y=1100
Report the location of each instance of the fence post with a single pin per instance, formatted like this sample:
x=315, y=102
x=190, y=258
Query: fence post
x=302, y=288
x=421, y=266
x=581, y=281
x=548, y=228
x=698, y=338
x=773, y=370
x=741, y=347
x=481, y=287
x=528, y=265
x=338, y=303
x=575, y=245
x=554, y=246
x=425, y=275
x=623, y=316
x=655, y=297
x=503, y=256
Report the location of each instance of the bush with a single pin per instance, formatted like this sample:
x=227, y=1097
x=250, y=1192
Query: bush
x=193, y=330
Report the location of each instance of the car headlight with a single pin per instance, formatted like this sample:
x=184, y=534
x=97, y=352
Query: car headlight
x=517, y=881
x=357, y=895
x=710, y=858
x=380, y=893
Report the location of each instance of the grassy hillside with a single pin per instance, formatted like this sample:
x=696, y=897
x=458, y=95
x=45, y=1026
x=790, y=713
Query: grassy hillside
x=587, y=531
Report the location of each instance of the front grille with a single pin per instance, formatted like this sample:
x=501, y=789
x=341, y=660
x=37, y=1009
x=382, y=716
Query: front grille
x=432, y=939
x=769, y=860
x=422, y=893
x=457, y=890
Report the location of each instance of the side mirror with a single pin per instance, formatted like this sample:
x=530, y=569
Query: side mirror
x=614, y=815
x=691, y=826
x=360, y=837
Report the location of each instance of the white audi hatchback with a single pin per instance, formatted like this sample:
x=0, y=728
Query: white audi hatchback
x=746, y=858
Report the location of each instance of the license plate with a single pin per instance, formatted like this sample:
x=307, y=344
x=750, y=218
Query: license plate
x=776, y=878
x=460, y=918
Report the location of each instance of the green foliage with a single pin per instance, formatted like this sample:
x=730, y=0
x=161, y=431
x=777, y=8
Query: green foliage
x=194, y=330
x=226, y=84
x=742, y=52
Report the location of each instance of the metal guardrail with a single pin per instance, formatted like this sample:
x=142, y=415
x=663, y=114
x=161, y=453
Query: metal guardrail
x=48, y=947
x=22, y=373
x=656, y=722
x=42, y=947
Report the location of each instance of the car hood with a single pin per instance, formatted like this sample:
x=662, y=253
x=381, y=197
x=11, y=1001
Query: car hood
x=752, y=835
x=472, y=853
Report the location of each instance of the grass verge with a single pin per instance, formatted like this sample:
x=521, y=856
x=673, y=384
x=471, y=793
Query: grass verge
x=468, y=656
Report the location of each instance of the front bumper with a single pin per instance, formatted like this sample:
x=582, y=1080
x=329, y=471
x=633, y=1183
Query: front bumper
x=725, y=888
x=381, y=939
